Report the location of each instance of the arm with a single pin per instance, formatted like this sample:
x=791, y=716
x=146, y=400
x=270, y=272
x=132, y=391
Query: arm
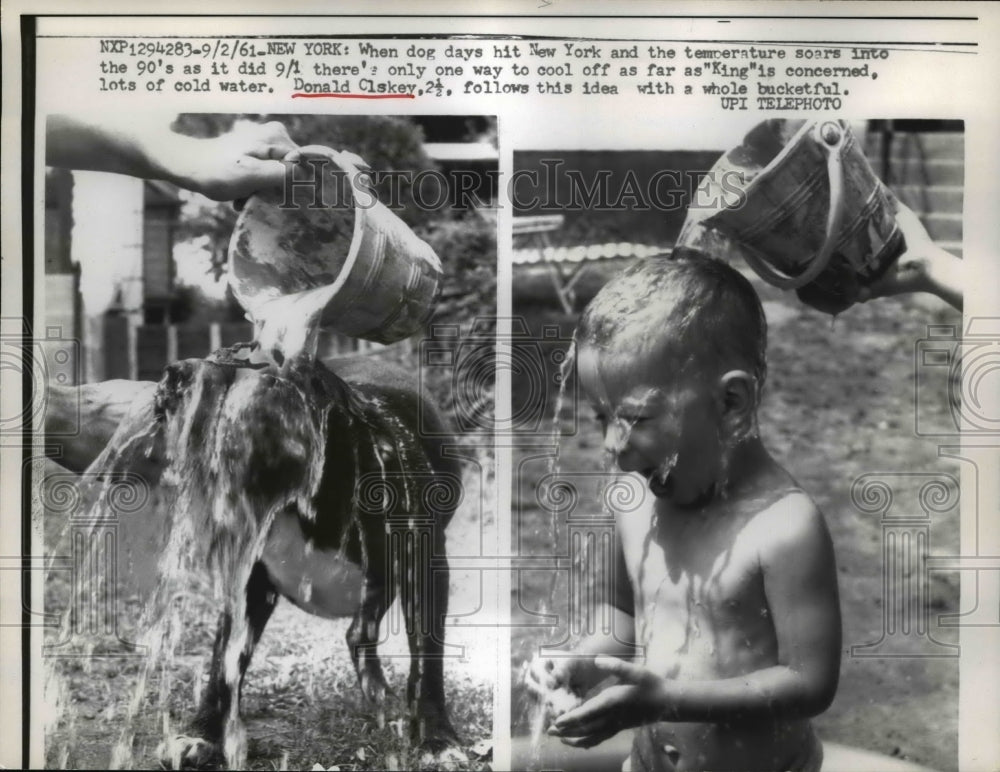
x=576, y=672
x=923, y=267
x=617, y=605
x=245, y=160
x=80, y=420
x=800, y=584
x=619, y=641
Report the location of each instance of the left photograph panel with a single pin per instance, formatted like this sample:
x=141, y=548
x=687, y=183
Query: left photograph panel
x=259, y=510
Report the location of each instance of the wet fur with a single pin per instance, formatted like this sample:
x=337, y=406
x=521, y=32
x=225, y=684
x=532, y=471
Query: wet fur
x=344, y=521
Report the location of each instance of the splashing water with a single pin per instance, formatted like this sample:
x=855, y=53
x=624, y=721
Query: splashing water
x=562, y=700
x=88, y=627
x=541, y=709
x=243, y=443
x=664, y=469
x=539, y=721
x=554, y=467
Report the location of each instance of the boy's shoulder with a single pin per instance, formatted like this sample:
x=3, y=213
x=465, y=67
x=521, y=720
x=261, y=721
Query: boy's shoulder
x=791, y=520
x=789, y=501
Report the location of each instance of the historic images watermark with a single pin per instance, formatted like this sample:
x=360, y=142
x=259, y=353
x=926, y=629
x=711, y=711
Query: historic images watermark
x=317, y=182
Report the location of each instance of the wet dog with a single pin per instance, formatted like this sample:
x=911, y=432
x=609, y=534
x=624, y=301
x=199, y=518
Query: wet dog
x=328, y=487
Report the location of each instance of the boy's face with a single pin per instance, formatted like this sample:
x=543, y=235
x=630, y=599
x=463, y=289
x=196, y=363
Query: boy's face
x=656, y=422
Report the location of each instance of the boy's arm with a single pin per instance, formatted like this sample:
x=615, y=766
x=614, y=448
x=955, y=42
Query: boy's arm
x=576, y=673
x=800, y=584
x=617, y=607
x=619, y=603
x=615, y=637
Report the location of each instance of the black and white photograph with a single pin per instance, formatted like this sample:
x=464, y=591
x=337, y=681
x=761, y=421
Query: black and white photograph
x=250, y=522
x=512, y=386
x=743, y=331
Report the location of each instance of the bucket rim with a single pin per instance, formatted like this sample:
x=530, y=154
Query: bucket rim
x=786, y=150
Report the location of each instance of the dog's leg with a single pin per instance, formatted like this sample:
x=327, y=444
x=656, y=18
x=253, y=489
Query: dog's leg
x=424, y=595
x=218, y=712
x=362, y=636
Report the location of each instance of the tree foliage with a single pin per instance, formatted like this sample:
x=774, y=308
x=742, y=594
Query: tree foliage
x=468, y=251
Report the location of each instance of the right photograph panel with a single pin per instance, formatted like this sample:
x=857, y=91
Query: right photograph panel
x=732, y=529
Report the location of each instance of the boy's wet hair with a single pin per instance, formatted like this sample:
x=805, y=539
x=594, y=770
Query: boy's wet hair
x=687, y=306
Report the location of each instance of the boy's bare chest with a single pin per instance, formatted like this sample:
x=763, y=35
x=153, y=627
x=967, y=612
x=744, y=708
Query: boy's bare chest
x=690, y=577
x=699, y=596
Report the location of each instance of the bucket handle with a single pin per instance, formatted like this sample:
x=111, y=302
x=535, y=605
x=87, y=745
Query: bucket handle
x=831, y=137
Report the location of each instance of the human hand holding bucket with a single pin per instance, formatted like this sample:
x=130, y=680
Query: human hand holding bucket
x=923, y=267
x=325, y=252
x=811, y=214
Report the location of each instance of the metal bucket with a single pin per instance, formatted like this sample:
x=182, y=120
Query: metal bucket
x=812, y=215
x=334, y=250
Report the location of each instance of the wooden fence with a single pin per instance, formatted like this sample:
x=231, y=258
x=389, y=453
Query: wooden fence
x=142, y=352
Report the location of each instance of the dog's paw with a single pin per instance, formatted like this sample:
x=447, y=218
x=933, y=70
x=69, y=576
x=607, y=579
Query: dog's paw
x=185, y=752
x=450, y=757
x=374, y=688
x=437, y=740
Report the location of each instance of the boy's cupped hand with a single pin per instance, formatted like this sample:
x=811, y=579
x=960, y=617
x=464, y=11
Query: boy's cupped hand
x=639, y=698
x=552, y=682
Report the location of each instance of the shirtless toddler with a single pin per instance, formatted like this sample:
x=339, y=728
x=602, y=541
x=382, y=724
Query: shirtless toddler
x=727, y=577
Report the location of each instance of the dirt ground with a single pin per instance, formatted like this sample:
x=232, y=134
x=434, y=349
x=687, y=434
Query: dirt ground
x=842, y=400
